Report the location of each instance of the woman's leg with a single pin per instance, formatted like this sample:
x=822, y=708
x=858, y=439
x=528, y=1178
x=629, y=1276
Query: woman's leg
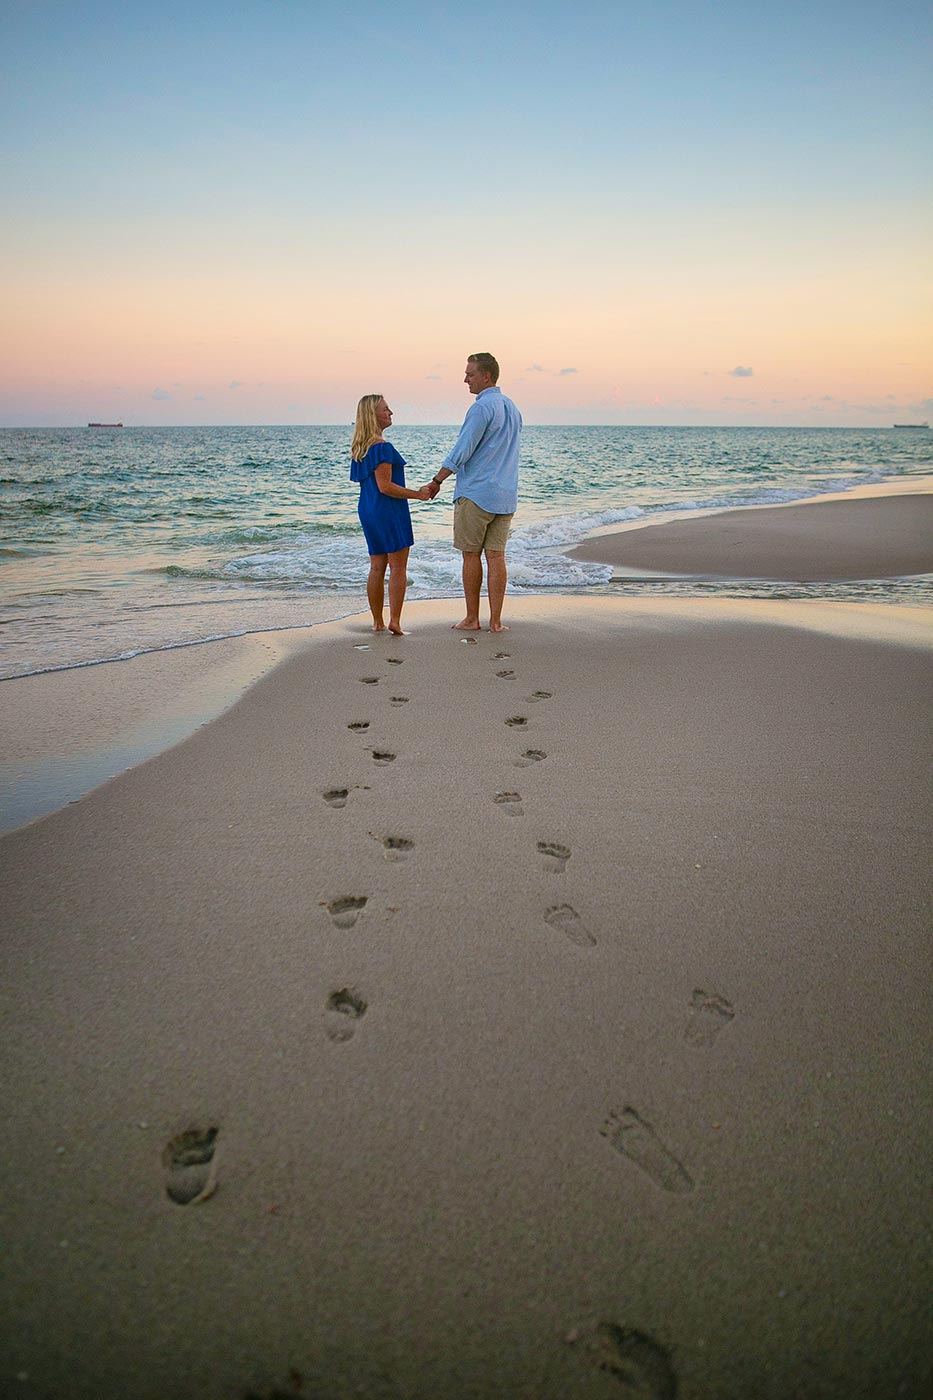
x=375, y=588
x=398, y=581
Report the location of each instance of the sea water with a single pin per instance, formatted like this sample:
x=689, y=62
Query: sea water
x=117, y=541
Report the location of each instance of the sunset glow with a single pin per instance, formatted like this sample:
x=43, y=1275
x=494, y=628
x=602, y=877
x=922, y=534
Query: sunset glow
x=689, y=216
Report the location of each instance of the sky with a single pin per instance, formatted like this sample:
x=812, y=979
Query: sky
x=661, y=212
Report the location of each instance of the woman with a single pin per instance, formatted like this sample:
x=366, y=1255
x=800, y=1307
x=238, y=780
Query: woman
x=383, y=509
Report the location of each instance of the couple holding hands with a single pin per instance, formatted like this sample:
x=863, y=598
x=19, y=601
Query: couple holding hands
x=484, y=460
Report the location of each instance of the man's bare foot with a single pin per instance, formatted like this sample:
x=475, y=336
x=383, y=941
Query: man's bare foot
x=396, y=627
x=467, y=625
x=379, y=627
x=499, y=627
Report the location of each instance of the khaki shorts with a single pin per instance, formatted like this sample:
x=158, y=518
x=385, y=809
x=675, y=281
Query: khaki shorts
x=476, y=529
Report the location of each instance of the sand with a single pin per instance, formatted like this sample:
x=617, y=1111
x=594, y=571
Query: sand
x=64, y=732
x=454, y=1056
x=887, y=536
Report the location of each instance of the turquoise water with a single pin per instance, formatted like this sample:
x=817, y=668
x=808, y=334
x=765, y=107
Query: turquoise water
x=114, y=541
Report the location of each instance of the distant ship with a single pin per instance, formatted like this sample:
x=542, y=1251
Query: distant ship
x=911, y=425
x=105, y=425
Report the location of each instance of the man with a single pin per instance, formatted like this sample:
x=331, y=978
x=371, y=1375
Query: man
x=485, y=461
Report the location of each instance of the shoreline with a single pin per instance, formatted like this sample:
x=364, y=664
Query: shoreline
x=68, y=731
x=441, y=1057
x=882, y=531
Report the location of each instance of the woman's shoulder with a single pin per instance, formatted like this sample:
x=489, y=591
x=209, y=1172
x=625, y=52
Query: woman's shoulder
x=379, y=452
x=384, y=452
x=375, y=455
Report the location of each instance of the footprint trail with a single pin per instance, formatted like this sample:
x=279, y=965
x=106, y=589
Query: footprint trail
x=634, y=1138
x=567, y=921
x=190, y=1169
x=709, y=1013
x=343, y=1010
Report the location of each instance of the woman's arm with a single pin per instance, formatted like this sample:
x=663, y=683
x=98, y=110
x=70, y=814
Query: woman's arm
x=388, y=487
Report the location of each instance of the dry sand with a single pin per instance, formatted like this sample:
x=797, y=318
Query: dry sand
x=886, y=536
x=624, y=1087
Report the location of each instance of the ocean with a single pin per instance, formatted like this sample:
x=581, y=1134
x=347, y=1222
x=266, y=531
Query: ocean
x=119, y=541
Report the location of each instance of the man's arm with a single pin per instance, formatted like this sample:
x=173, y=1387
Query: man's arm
x=469, y=438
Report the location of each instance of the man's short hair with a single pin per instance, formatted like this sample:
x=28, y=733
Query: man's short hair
x=487, y=362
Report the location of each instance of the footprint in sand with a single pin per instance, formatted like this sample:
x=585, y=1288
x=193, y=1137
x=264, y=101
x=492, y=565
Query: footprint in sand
x=346, y=910
x=395, y=660
x=395, y=847
x=517, y=721
x=336, y=797
x=369, y=680
x=642, y=1367
x=383, y=756
x=555, y=855
x=541, y=695
x=190, y=1168
x=503, y=656
x=341, y=1013
x=566, y=919
x=397, y=700
x=358, y=725
x=469, y=641
x=631, y=1136
x=506, y=675
x=511, y=803
x=361, y=646
x=530, y=756
x=707, y=1015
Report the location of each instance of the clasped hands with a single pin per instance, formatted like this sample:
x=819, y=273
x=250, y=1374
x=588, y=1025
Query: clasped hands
x=428, y=492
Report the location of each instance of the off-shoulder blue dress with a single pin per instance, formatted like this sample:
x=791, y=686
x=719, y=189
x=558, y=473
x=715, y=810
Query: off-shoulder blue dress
x=386, y=520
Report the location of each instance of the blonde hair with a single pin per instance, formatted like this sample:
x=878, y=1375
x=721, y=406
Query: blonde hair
x=365, y=430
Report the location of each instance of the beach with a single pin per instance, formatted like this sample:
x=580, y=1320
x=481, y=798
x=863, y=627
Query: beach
x=537, y=1015
x=882, y=534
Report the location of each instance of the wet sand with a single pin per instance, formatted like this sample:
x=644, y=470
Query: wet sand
x=535, y=1015
x=885, y=536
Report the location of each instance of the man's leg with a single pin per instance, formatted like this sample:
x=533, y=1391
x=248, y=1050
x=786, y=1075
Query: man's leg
x=398, y=579
x=496, y=579
x=375, y=589
x=472, y=583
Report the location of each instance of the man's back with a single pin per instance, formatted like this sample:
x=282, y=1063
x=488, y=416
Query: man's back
x=485, y=455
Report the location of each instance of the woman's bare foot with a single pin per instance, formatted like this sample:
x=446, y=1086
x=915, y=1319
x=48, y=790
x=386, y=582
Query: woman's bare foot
x=379, y=627
x=499, y=627
x=396, y=627
x=468, y=624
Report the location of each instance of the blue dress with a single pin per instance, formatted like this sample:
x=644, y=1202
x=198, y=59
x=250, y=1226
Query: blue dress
x=386, y=520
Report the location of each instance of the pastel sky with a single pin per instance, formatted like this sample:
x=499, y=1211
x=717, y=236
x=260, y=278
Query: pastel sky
x=661, y=212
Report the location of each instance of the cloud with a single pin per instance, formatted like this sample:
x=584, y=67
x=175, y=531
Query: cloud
x=742, y=372
x=568, y=371
x=234, y=384
x=161, y=394
x=534, y=369
x=432, y=376
x=827, y=398
x=924, y=406
x=199, y=398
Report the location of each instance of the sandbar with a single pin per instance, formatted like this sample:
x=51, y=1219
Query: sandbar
x=882, y=536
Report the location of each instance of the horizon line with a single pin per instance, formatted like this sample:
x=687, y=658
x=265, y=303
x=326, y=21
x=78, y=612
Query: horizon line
x=854, y=427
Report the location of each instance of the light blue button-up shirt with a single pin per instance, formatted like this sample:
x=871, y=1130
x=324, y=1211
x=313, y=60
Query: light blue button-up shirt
x=485, y=455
